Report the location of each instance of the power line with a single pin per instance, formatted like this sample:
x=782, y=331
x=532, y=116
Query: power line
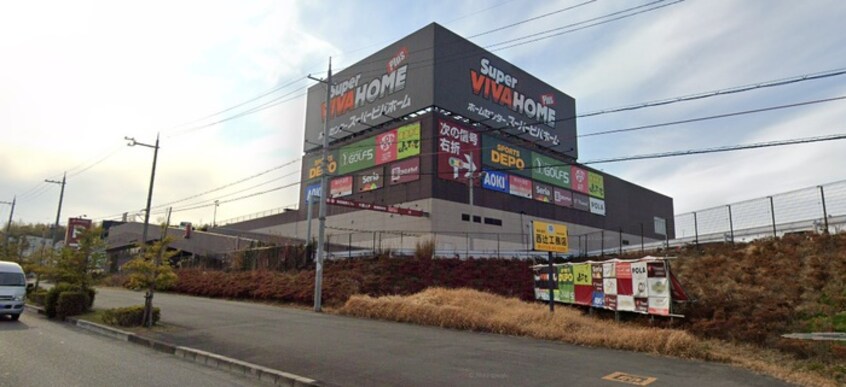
x=274, y=102
x=283, y=165
x=530, y=19
x=522, y=40
x=728, y=148
x=260, y=96
x=718, y=92
x=698, y=119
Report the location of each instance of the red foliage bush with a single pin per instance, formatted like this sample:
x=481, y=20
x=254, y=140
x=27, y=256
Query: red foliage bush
x=374, y=277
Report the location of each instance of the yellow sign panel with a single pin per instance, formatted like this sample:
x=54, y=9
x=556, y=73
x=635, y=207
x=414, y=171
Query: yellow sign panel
x=549, y=237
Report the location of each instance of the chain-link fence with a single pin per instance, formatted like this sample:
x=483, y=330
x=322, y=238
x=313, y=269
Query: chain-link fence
x=814, y=209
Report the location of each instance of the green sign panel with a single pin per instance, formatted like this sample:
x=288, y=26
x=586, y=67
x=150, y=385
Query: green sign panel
x=551, y=171
x=357, y=156
x=565, y=284
x=408, y=140
x=503, y=156
x=596, y=185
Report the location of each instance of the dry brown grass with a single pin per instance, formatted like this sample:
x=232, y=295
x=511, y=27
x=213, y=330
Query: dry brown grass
x=483, y=312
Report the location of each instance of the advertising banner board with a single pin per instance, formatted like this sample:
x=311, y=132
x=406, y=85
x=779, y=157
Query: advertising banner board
x=581, y=202
x=393, y=82
x=370, y=180
x=597, y=206
x=495, y=181
x=479, y=85
x=550, y=237
x=519, y=186
x=312, y=190
x=608, y=285
x=542, y=192
x=340, y=186
x=502, y=155
x=596, y=185
x=579, y=180
x=357, y=156
x=375, y=207
x=458, y=152
x=435, y=67
x=549, y=170
x=76, y=226
x=404, y=171
x=562, y=197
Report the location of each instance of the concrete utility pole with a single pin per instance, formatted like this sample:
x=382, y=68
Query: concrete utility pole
x=324, y=193
x=59, y=212
x=132, y=142
x=9, y=225
x=148, y=302
x=214, y=219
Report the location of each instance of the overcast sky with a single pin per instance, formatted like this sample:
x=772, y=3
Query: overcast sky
x=76, y=77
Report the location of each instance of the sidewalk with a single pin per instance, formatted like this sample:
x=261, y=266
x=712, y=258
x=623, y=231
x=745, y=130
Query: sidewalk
x=337, y=350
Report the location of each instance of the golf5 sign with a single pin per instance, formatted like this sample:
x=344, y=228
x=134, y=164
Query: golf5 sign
x=550, y=237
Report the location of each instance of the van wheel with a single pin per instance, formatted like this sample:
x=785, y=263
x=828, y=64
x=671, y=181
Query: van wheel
x=15, y=317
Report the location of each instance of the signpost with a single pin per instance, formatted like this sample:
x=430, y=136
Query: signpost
x=552, y=238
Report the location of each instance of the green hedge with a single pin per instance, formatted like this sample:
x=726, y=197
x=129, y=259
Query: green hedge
x=71, y=303
x=132, y=316
x=51, y=299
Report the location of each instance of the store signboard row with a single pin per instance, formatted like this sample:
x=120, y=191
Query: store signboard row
x=393, y=145
x=370, y=180
x=504, y=156
x=526, y=188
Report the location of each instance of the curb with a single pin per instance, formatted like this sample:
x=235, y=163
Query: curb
x=207, y=359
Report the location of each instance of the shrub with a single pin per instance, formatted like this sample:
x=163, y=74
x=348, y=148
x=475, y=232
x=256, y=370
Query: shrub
x=71, y=303
x=132, y=316
x=52, y=298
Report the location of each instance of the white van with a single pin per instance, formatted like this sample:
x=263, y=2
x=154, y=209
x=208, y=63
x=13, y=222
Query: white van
x=12, y=289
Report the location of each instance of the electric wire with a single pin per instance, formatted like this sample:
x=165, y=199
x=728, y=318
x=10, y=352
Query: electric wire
x=530, y=19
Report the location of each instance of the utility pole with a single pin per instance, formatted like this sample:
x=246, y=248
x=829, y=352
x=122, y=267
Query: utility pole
x=59, y=212
x=9, y=225
x=132, y=142
x=148, y=298
x=324, y=192
x=214, y=219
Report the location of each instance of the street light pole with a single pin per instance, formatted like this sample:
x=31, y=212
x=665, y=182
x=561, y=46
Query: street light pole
x=324, y=193
x=59, y=212
x=132, y=142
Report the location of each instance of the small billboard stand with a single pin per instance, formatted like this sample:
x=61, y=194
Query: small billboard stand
x=552, y=238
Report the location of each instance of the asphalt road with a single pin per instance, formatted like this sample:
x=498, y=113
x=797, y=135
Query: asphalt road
x=338, y=350
x=38, y=352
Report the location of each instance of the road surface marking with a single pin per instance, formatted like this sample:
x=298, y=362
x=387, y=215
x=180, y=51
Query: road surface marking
x=623, y=377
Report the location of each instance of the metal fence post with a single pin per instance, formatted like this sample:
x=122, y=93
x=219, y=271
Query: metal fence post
x=602, y=242
x=825, y=213
x=772, y=212
x=695, y=229
x=731, y=224
x=621, y=241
